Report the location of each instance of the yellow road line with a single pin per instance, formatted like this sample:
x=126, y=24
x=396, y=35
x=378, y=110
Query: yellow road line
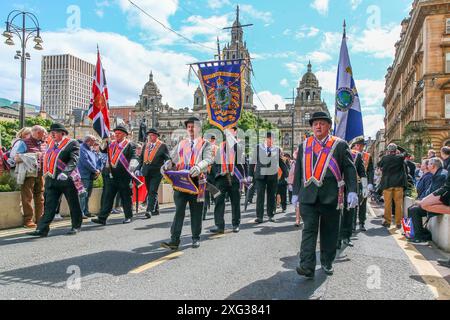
x=24, y=231
x=218, y=236
x=155, y=263
x=434, y=280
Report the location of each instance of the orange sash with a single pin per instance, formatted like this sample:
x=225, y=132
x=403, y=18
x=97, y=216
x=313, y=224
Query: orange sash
x=187, y=157
x=116, y=150
x=52, y=155
x=366, y=159
x=317, y=172
x=150, y=155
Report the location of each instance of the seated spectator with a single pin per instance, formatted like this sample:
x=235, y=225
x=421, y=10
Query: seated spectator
x=431, y=154
x=445, y=155
x=439, y=176
x=425, y=181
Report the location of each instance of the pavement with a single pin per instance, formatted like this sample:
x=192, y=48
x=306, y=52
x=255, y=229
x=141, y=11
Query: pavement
x=126, y=262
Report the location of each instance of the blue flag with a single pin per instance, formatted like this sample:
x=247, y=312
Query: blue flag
x=348, y=120
x=223, y=84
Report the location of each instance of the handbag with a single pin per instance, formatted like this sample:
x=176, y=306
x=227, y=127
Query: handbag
x=408, y=228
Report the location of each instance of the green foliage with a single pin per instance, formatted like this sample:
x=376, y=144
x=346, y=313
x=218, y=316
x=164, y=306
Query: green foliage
x=416, y=140
x=8, y=130
x=8, y=183
x=247, y=121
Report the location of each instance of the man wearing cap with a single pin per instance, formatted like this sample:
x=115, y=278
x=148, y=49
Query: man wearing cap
x=193, y=154
x=264, y=167
x=229, y=175
x=358, y=146
x=61, y=177
x=393, y=182
x=152, y=158
x=122, y=161
x=324, y=165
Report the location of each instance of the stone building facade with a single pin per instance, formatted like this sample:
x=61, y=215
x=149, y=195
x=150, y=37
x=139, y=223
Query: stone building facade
x=417, y=101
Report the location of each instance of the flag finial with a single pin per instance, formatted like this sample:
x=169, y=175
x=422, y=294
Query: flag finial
x=345, y=29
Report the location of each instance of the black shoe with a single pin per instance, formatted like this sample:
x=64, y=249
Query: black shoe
x=169, y=245
x=362, y=228
x=74, y=231
x=307, y=274
x=148, y=215
x=217, y=231
x=258, y=221
x=99, y=221
x=418, y=241
x=386, y=224
x=348, y=242
x=88, y=215
x=156, y=213
x=272, y=219
x=85, y=217
x=444, y=262
x=328, y=270
x=38, y=233
x=127, y=221
x=339, y=245
x=399, y=226
x=236, y=229
x=196, y=244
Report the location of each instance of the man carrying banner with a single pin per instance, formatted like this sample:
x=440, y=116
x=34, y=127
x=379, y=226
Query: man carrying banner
x=61, y=177
x=192, y=155
x=152, y=158
x=210, y=179
x=358, y=146
x=121, y=163
x=324, y=165
x=229, y=175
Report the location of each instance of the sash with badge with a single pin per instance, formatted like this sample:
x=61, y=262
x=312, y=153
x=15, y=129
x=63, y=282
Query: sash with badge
x=116, y=156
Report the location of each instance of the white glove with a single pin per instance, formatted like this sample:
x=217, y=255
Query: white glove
x=62, y=177
x=370, y=187
x=352, y=200
x=295, y=200
x=365, y=192
x=138, y=173
x=195, y=171
x=167, y=165
x=249, y=179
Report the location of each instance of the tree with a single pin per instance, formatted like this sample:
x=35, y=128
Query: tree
x=247, y=121
x=8, y=130
x=416, y=140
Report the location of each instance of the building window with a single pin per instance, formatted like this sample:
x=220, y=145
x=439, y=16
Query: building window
x=447, y=106
x=447, y=27
x=447, y=62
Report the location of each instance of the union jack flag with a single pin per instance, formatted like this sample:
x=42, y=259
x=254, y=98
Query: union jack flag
x=408, y=228
x=99, y=106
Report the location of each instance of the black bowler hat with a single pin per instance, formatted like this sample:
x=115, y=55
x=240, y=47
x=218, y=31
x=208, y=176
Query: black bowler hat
x=359, y=141
x=191, y=120
x=58, y=127
x=121, y=128
x=154, y=131
x=320, y=116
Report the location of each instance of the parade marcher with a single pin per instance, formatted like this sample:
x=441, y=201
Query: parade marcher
x=32, y=190
x=193, y=154
x=324, y=165
x=229, y=177
x=121, y=164
x=88, y=171
x=154, y=155
x=282, y=188
x=61, y=177
x=210, y=178
x=264, y=165
x=298, y=218
x=348, y=221
x=358, y=146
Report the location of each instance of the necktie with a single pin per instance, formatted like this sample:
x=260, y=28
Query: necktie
x=192, y=153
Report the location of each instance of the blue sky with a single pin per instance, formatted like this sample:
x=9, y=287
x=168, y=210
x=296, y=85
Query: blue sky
x=285, y=36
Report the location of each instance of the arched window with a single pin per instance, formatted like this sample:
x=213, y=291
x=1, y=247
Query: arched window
x=307, y=95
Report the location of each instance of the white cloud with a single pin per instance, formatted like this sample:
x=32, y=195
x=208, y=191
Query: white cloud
x=378, y=42
x=318, y=57
x=256, y=14
x=269, y=100
x=295, y=67
x=327, y=80
x=306, y=32
x=217, y=4
x=331, y=42
x=321, y=6
x=284, y=83
x=355, y=4
x=372, y=124
x=127, y=67
x=371, y=92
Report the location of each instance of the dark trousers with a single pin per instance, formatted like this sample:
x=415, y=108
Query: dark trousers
x=53, y=191
x=152, y=183
x=263, y=186
x=84, y=197
x=290, y=196
x=416, y=213
x=207, y=203
x=362, y=212
x=233, y=190
x=251, y=192
x=181, y=200
x=112, y=188
x=282, y=191
x=347, y=223
x=327, y=217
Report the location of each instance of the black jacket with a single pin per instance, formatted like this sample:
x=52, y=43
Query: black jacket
x=393, y=172
x=370, y=171
x=239, y=161
x=260, y=162
x=119, y=172
x=161, y=156
x=328, y=193
x=285, y=173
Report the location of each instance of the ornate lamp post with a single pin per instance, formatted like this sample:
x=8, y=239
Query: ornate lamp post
x=24, y=33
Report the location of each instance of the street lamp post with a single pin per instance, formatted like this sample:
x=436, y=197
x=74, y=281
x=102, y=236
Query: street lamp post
x=24, y=33
x=292, y=120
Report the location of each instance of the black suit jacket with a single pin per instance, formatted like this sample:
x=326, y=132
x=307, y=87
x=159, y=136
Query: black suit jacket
x=393, y=171
x=161, y=156
x=119, y=172
x=260, y=161
x=370, y=171
x=328, y=193
x=239, y=161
